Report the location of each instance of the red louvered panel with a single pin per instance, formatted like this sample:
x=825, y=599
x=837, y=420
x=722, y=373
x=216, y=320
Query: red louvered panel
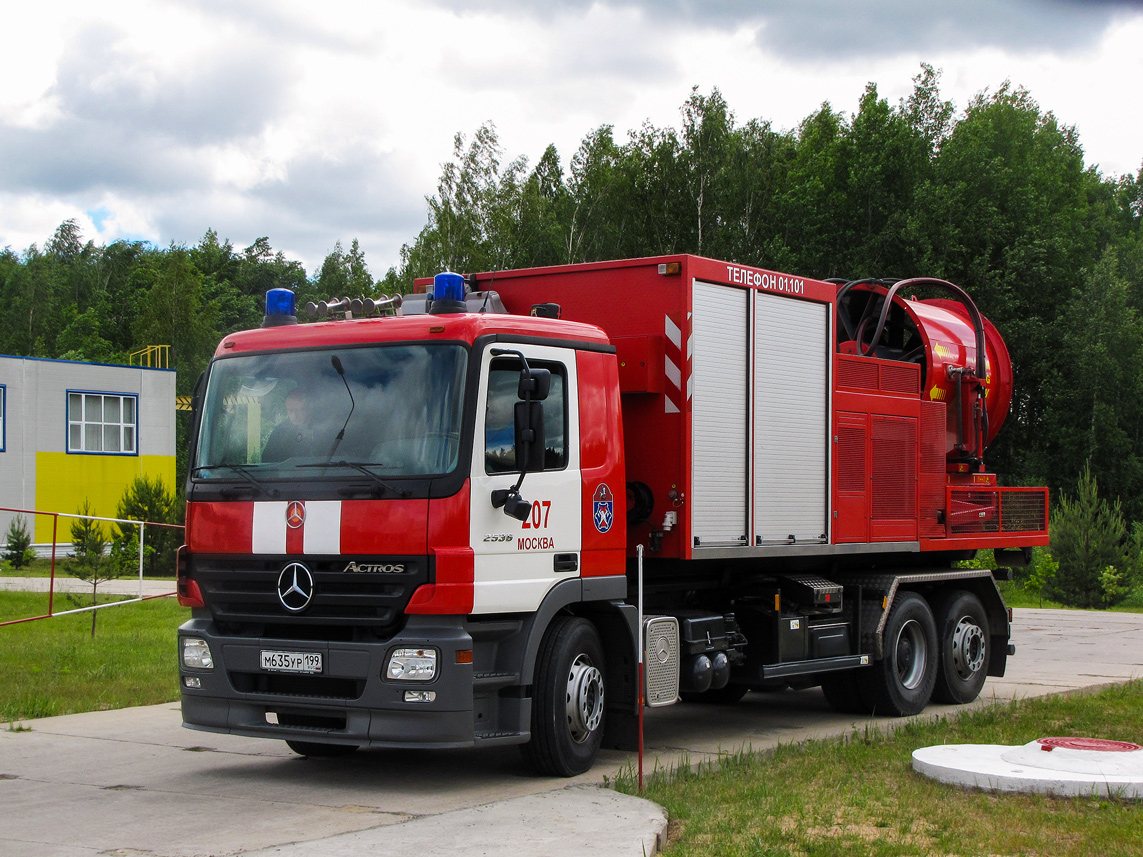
x=932, y=485
x=901, y=378
x=851, y=521
x=894, y=482
x=856, y=373
x=851, y=457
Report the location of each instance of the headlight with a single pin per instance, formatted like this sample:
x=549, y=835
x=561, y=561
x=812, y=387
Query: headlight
x=412, y=665
x=196, y=654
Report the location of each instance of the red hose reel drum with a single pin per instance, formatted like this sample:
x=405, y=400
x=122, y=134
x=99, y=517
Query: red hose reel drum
x=943, y=336
x=946, y=329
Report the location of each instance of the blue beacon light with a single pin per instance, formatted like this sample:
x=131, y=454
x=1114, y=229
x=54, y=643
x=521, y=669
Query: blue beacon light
x=448, y=294
x=279, y=308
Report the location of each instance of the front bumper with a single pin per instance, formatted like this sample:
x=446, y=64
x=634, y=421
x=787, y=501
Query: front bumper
x=350, y=703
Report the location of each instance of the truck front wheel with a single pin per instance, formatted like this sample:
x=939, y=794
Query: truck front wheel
x=567, y=699
x=962, y=631
x=901, y=683
x=319, y=750
x=843, y=692
x=315, y=749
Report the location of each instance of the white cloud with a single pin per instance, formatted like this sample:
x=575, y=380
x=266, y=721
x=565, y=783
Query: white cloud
x=312, y=125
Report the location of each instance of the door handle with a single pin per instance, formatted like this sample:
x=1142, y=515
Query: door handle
x=566, y=562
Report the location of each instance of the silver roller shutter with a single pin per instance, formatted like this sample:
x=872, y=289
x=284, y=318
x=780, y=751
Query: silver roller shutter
x=791, y=399
x=719, y=415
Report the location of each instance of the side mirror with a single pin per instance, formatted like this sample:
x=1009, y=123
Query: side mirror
x=195, y=406
x=528, y=418
x=535, y=383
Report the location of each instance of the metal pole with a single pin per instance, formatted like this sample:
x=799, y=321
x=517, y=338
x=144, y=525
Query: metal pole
x=52, y=580
x=639, y=693
x=142, y=527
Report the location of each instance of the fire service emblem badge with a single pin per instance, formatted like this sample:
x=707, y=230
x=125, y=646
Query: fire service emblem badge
x=603, y=508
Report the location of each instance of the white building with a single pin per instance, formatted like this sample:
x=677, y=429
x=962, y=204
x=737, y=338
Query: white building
x=72, y=431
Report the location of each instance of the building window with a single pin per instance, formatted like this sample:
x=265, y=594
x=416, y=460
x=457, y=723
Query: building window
x=3, y=424
x=102, y=422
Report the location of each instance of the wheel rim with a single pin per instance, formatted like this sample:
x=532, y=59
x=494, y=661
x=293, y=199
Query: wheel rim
x=584, y=703
x=968, y=647
x=912, y=655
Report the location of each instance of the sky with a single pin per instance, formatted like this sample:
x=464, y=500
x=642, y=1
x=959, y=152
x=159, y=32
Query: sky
x=313, y=123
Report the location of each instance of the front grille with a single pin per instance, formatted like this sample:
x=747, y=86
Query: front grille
x=244, y=590
x=324, y=721
x=311, y=686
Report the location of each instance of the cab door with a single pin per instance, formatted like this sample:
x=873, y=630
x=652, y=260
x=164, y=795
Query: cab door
x=517, y=562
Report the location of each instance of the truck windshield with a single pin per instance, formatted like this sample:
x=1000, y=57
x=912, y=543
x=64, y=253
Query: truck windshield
x=394, y=409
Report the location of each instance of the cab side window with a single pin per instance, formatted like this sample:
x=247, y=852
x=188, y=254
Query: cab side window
x=499, y=431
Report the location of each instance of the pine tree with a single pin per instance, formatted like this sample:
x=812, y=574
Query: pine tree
x=18, y=543
x=1087, y=538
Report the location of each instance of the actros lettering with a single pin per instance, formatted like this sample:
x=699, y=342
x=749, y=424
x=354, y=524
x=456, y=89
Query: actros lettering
x=770, y=282
x=376, y=568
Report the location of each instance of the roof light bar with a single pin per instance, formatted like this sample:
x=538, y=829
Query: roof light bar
x=448, y=293
x=279, y=308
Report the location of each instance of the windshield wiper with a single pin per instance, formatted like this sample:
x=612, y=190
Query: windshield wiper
x=361, y=467
x=241, y=471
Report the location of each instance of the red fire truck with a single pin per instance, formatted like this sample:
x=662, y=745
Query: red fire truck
x=461, y=521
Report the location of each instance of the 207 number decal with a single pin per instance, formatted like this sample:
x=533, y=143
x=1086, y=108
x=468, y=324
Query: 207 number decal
x=539, y=520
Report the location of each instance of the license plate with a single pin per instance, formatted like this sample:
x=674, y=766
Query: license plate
x=292, y=662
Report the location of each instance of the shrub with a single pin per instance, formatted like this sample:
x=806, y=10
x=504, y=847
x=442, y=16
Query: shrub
x=1114, y=585
x=1088, y=535
x=18, y=543
x=147, y=499
x=89, y=547
x=1041, y=575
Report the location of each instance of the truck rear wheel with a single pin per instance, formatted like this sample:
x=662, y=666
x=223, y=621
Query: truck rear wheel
x=962, y=632
x=901, y=683
x=567, y=699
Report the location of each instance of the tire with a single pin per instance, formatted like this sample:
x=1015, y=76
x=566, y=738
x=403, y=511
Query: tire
x=843, y=693
x=729, y=695
x=568, y=699
x=963, y=641
x=901, y=683
x=316, y=749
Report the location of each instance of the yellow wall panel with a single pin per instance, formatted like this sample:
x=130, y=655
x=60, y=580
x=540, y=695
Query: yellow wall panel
x=64, y=481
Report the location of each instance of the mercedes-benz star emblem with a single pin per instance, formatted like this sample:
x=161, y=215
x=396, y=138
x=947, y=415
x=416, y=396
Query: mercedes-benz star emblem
x=295, y=514
x=295, y=587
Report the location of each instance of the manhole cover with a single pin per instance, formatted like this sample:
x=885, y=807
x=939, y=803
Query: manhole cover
x=1102, y=745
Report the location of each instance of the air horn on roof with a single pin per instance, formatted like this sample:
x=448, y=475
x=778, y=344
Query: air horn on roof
x=355, y=307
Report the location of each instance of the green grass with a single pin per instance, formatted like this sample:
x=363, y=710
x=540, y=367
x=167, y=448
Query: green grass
x=1016, y=595
x=859, y=795
x=43, y=568
x=54, y=666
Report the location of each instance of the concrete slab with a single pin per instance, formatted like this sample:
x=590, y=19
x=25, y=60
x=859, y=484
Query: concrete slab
x=581, y=820
x=1064, y=772
x=133, y=781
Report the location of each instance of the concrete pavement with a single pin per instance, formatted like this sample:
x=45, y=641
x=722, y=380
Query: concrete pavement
x=132, y=782
x=129, y=586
